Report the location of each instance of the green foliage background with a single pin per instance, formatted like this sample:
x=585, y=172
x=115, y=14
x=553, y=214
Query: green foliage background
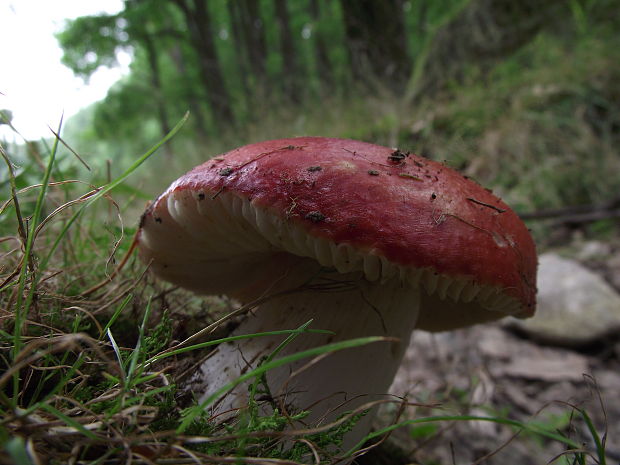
x=525, y=121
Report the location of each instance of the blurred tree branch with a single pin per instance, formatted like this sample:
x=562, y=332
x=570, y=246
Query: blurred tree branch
x=577, y=213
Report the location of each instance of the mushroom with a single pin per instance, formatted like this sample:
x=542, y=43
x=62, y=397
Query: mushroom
x=377, y=241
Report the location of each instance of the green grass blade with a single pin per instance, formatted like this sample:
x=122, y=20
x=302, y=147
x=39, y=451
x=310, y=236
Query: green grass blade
x=287, y=341
x=215, y=342
x=504, y=421
x=21, y=306
x=117, y=351
x=13, y=186
x=116, y=314
x=145, y=378
x=16, y=448
x=290, y=338
x=69, y=421
x=144, y=395
x=333, y=347
x=135, y=355
x=600, y=446
x=65, y=379
x=60, y=383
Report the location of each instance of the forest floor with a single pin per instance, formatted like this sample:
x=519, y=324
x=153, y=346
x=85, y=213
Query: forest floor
x=490, y=370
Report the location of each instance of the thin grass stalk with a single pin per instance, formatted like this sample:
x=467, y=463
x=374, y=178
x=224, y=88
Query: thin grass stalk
x=214, y=342
x=600, y=447
x=135, y=355
x=67, y=377
x=116, y=314
x=108, y=187
x=21, y=307
x=20, y=220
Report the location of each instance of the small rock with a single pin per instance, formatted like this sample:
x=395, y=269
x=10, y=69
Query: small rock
x=593, y=250
x=515, y=358
x=614, y=270
x=609, y=380
x=569, y=367
x=575, y=305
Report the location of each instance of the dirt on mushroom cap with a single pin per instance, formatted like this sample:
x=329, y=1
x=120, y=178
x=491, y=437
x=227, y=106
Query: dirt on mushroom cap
x=414, y=211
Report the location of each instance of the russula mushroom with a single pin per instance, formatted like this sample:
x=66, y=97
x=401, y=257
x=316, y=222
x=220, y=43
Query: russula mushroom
x=383, y=240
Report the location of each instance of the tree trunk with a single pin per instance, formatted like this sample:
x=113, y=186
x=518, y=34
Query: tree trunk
x=253, y=27
x=160, y=103
x=290, y=68
x=377, y=42
x=198, y=22
x=176, y=54
x=241, y=54
x=422, y=25
x=323, y=64
x=482, y=33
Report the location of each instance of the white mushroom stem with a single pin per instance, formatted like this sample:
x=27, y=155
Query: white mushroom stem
x=338, y=382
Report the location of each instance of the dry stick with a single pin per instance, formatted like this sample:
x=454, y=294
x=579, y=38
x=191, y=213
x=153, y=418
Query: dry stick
x=93, y=418
x=189, y=453
x=57, y=428
x=576, y=217
x=577, y=213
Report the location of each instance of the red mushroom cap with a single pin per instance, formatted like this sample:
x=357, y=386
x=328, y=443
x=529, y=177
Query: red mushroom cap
x=411, y=212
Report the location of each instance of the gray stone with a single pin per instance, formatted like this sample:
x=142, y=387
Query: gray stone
x=594, y=250
x=575, y=305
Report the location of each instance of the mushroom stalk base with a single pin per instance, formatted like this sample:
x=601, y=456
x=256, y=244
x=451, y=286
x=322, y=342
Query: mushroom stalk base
x=332, y=384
